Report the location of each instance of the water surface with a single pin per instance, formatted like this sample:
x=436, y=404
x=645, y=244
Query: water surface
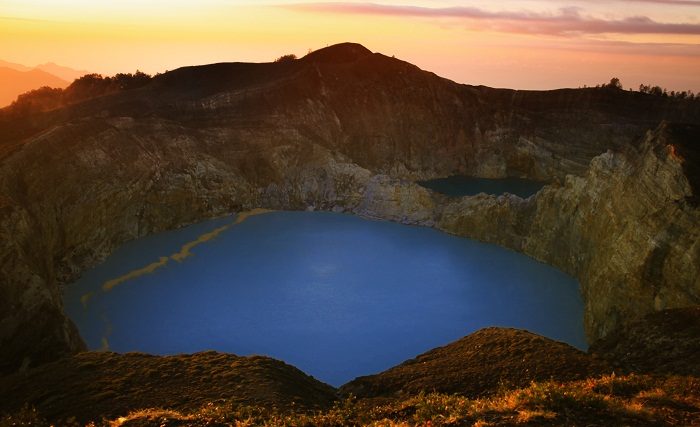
x=335, y=295
x=458, y=186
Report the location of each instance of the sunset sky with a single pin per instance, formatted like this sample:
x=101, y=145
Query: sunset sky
x=525, y=44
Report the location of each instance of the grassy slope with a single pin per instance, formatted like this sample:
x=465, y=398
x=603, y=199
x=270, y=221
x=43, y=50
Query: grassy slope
x=637, y=400
x=493, y=377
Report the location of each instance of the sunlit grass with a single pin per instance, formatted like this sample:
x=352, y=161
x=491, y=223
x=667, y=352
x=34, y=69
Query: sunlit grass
x=609, y=400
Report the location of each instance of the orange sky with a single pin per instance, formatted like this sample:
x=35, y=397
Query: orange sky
x=523, y=44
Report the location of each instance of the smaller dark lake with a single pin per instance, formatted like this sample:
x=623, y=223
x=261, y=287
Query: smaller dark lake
x=458, y=186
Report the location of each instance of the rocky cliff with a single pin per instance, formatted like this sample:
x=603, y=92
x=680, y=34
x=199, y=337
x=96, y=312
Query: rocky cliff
x=346, y=129
x=628, y=228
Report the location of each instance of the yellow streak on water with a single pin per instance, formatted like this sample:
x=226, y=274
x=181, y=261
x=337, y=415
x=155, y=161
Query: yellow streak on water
x=182, y=254
x=179, y=256
x=85, y=298
x=105, y=345
x=150, y=268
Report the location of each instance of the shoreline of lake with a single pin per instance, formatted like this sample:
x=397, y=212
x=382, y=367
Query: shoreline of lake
x=460, y=186
x=329, y=291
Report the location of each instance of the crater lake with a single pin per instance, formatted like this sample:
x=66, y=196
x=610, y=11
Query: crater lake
x=336, y=295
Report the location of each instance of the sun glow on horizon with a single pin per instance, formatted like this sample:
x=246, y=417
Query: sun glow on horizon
x=538, y=44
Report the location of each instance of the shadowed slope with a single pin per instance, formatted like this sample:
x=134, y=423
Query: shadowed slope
x=92, y=386
x=481, y=364
x=664, y=342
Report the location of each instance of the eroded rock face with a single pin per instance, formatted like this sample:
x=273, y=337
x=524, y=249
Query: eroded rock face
x=626, y=230
x=344, y=130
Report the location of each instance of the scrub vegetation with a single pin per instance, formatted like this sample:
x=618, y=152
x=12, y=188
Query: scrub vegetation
x=640, y=400
x=647, y=374
x=654, y=90
x=88, y=86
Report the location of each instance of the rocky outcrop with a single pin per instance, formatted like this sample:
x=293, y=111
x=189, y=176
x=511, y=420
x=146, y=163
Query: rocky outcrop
x=630, y=232
x=346, y=130
x=627, y=229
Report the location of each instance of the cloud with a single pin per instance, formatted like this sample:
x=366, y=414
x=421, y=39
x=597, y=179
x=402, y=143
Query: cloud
x=567, y=22
x=617, y=47
x=695, y=3
x=16, y=19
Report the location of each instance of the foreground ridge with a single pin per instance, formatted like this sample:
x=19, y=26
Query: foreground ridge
x=496, y=376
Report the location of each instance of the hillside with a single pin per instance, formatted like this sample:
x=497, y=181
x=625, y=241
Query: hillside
x=497, y=376
x=349, y=130
x=14, y=83
x=92, y=386
x=66, y=73
x=481, y=363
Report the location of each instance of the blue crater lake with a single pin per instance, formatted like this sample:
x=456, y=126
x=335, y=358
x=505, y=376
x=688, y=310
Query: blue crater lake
x=335, y=295
x=458, y=186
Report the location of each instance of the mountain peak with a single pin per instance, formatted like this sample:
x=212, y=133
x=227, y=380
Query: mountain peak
x=14, y=82
x=65, y=73
x=338, y=53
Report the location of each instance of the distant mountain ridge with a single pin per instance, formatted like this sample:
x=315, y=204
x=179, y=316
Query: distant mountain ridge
x=16, y=79
x=66, y=73
x=14, y=83
x=60, y=71
x=14, y=66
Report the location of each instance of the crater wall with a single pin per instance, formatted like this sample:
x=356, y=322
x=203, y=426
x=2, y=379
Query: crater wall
x=345, y=131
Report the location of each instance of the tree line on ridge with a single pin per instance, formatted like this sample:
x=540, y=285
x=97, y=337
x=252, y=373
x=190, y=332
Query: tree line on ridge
x=92, y=85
